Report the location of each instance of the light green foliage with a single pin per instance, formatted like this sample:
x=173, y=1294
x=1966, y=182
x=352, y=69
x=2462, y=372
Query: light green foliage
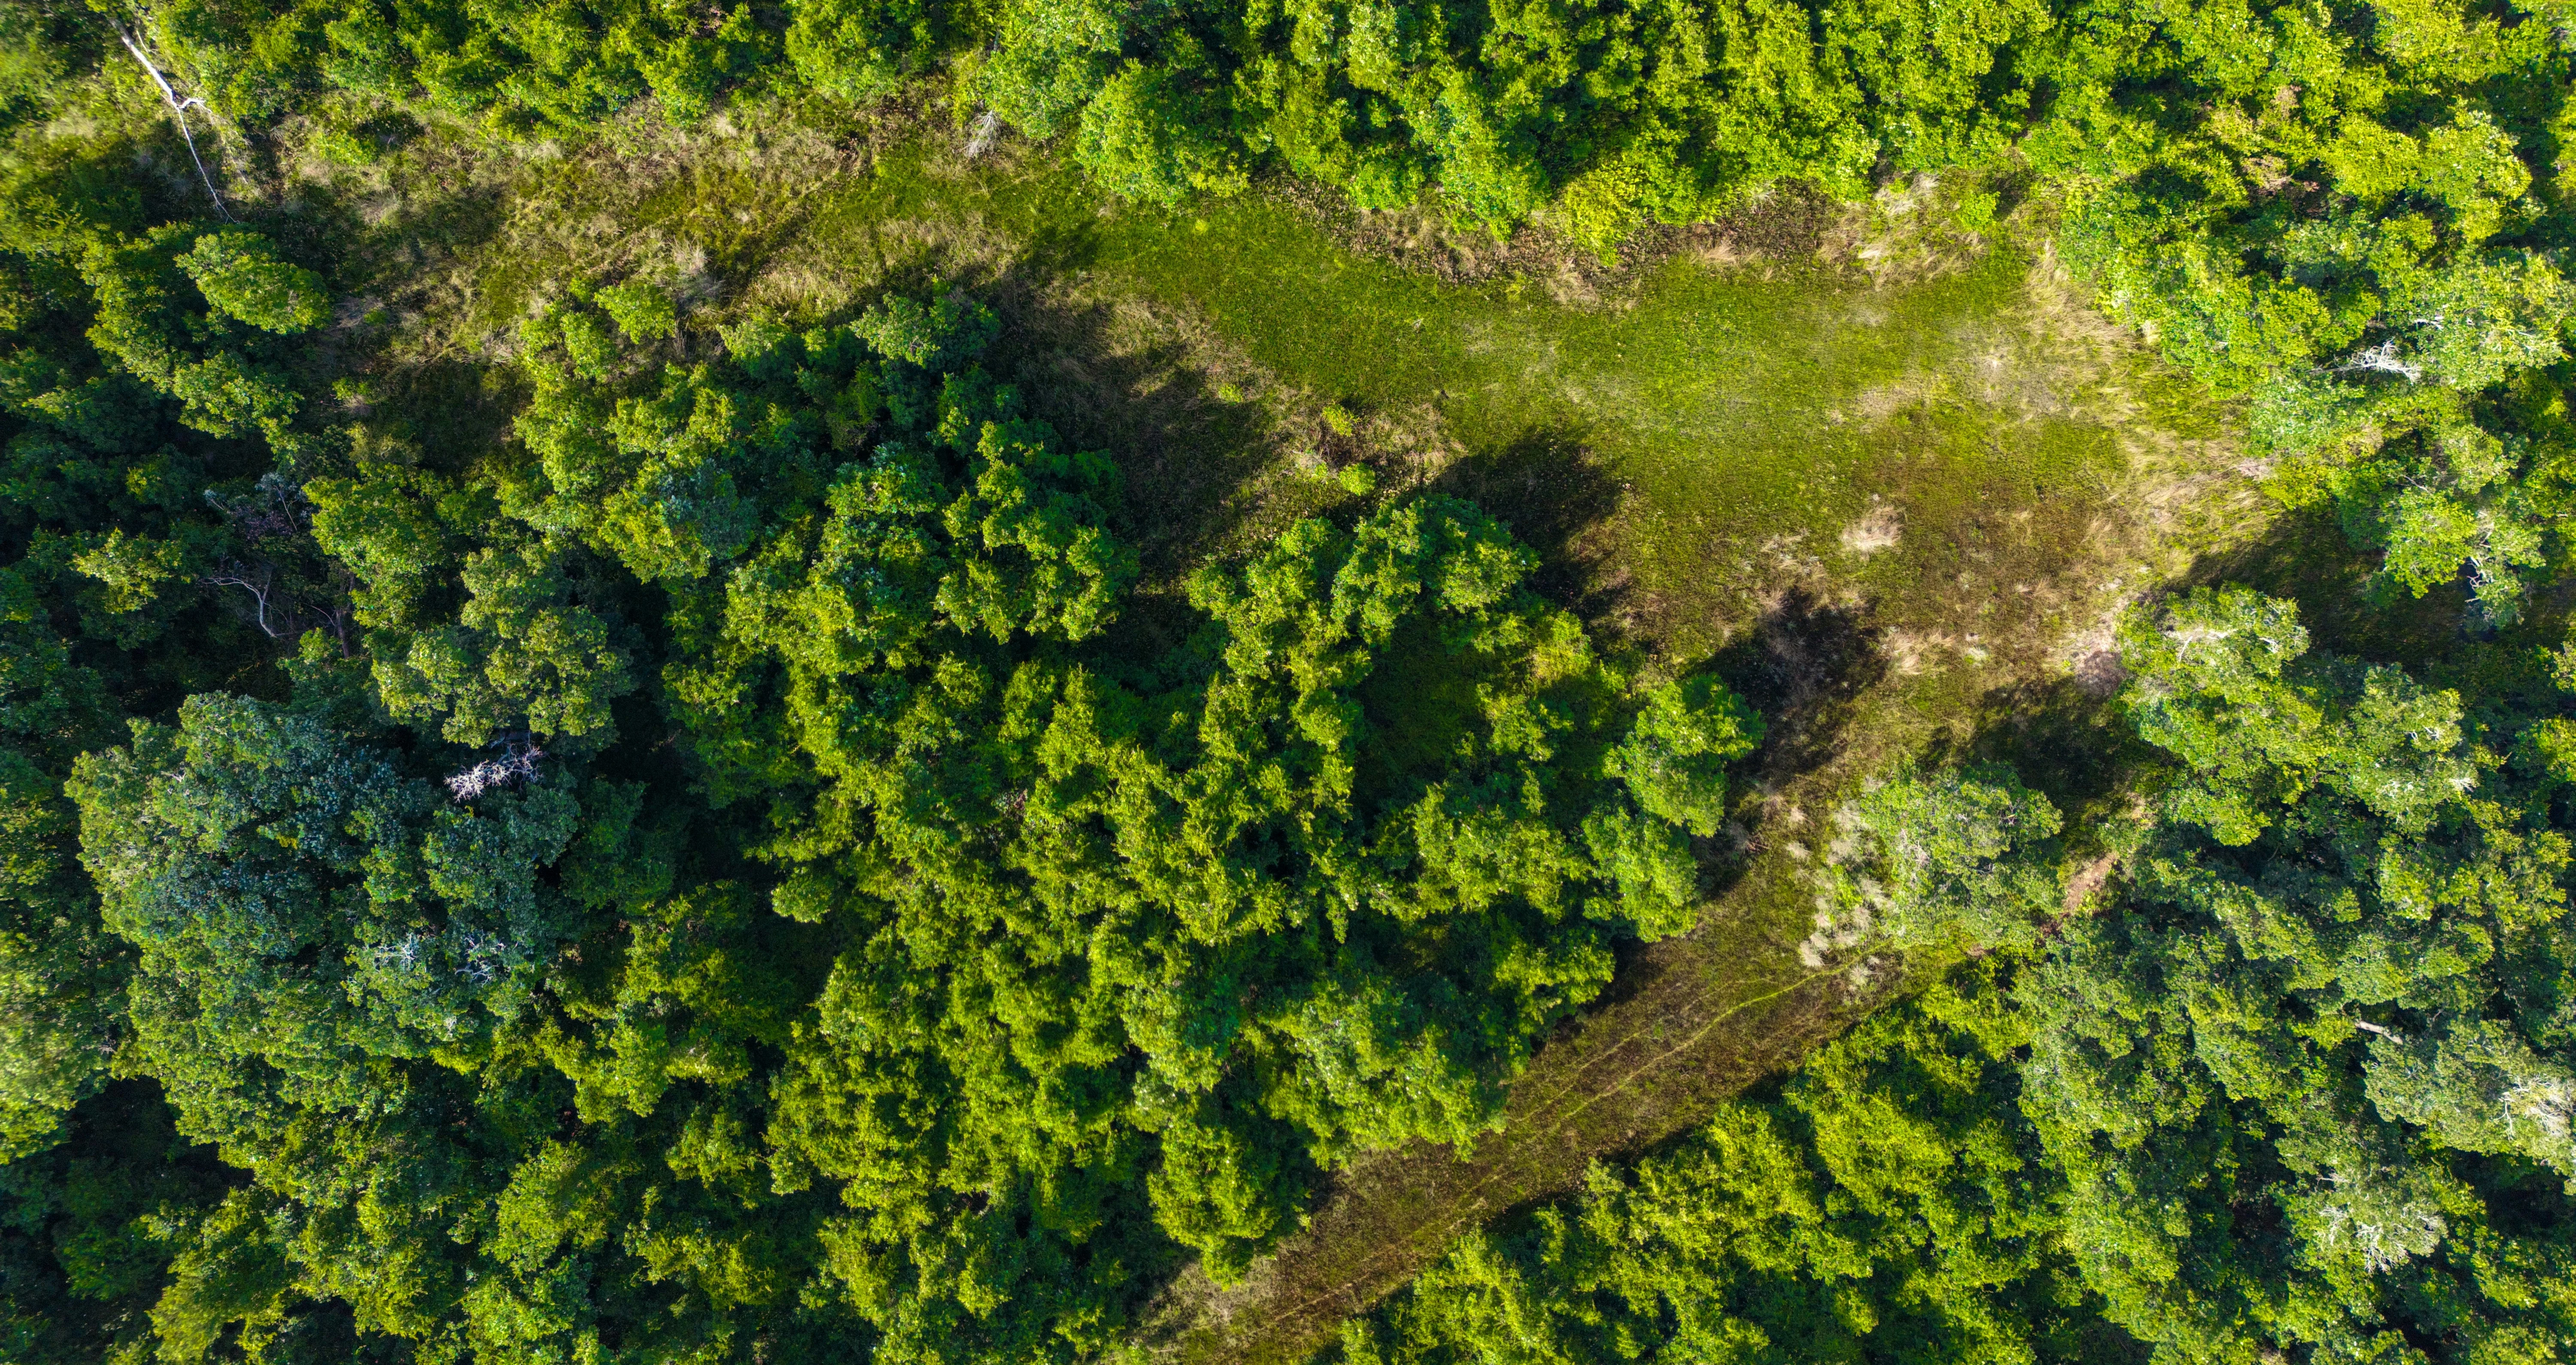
x=133, y=570
x=862, y=50
x=84, y=1228
x=390, y=528
x=284, y=877
x=2326, y=990
x=32, y=66
x=584, y=335
x=1963, y=856
x=61, y=979
x=1675, y=756
x=1602, y=120
x=521, y=656
x=2302, y=1093
x=934, y=335
x=108, y=511
x=907, y=948
x=837, y=933
x=1149, y=135
x=2350, y=235
x=523, y=67
x=1047, y=59
x=221, y=362
x=652, y=480
x=1125, y=927
x=239, y=274
x=2356, y=235
x=641, y=310
x=376, y=997
x=691, y=70
x=1887, y=1206
x=2225, y=683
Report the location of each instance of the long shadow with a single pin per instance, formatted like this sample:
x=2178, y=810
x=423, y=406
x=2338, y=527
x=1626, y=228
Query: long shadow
x=1061, y=245
x=2345, y=604
x=1802, y=666
x=1185, y=452
x=2067, y=737
x=450, y=225
x=1549, y=490
x=446, y=411
x=1189, y=453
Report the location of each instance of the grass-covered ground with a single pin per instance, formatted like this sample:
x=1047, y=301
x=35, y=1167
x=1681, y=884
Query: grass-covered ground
x=1894, y=477
x=1693, y=431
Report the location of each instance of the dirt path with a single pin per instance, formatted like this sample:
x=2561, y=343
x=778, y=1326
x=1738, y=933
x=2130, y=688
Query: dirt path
x=1700, y=1018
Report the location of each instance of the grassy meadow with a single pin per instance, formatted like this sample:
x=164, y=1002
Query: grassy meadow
x=1686, y=437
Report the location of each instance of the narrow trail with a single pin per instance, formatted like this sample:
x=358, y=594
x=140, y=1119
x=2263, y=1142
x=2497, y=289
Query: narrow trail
x=1706, y=1016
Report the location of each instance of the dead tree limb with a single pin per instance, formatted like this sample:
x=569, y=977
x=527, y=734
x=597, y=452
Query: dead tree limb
x=234, y=576
x=178, y=110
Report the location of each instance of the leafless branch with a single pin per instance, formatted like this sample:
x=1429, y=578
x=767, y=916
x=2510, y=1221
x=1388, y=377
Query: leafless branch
x=988, y=125
x=2382, y=359
x=517, y=763
x=178, y=110
x=233, y=575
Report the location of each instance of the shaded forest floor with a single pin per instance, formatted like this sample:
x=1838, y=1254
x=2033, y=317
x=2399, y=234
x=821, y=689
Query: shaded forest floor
x=1892, y=477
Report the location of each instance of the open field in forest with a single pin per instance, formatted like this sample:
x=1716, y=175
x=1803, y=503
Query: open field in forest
x=876, y=683
x=1069, y=683
x=1689, y=439
x=1896, y=510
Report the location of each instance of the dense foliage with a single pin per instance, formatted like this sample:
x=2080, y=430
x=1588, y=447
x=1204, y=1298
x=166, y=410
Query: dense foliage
x=741, y=870
x=1884, y=1206
x=2307, y=1088
x=714, y=876
x=2347, y=213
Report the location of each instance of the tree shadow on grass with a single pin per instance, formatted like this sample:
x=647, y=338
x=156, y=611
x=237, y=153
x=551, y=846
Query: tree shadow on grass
x=2067, y=737
x=1802, y=666
x=2309, y=558
x=1553, y=494
x=446, y=411
x=1061, y=245
x=1185, y=452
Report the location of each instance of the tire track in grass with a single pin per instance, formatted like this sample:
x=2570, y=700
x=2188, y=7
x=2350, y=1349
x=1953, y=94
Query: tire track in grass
x=1391, y=1213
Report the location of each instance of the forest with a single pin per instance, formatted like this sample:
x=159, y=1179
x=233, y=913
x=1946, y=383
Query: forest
x=705, y=824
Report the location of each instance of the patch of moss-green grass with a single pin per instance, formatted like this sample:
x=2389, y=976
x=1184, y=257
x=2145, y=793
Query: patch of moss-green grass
x=1681, y=446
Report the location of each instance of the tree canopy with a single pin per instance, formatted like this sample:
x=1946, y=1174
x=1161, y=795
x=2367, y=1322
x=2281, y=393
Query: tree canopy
x=2345, y=214
x=743, y=864
x=715, y=876
x=2301, y=1092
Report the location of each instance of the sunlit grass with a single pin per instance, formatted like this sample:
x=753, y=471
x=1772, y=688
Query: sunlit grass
x=1689, y=441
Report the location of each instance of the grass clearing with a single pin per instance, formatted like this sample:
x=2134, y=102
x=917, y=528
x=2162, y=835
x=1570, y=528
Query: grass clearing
x=1891, y=512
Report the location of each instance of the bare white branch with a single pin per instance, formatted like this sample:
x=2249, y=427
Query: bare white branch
x=235, y=576
x=2382, y=359
x=178, y=110
x=517, y=763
